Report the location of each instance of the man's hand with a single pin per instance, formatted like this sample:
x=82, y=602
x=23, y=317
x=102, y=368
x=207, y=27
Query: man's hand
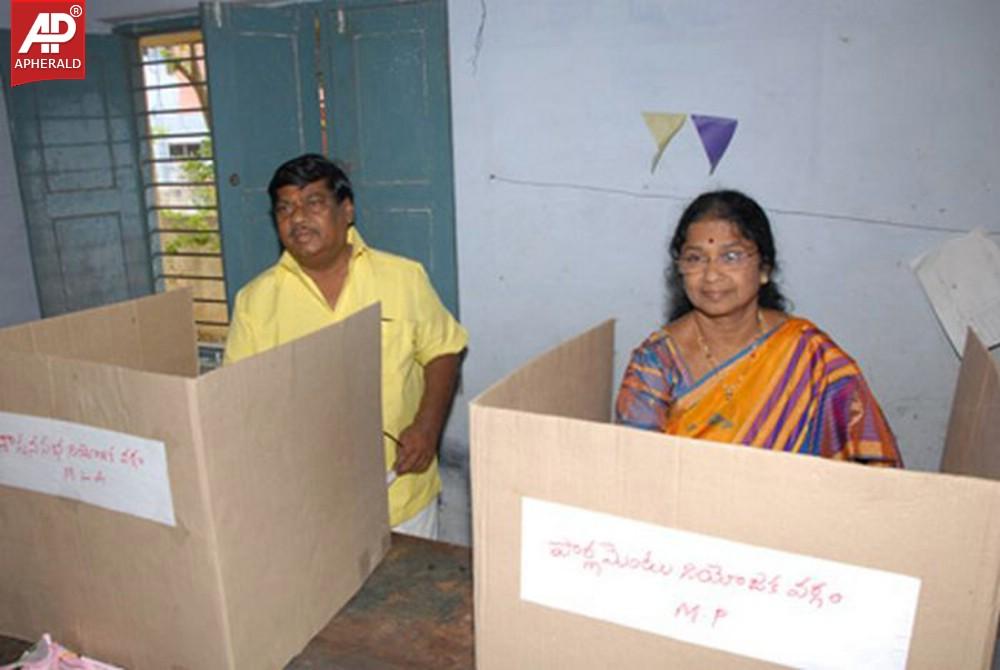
x=415, y=449
x=417, y=444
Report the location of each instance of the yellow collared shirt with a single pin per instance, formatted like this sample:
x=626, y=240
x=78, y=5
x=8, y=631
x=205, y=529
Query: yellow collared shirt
x=283, y=303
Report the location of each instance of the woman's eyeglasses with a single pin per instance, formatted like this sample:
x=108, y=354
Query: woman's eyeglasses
x=693, y=262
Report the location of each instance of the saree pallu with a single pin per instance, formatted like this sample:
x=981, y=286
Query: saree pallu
x=793, y=389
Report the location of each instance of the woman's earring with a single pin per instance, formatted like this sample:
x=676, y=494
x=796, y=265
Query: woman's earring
x=763, y=279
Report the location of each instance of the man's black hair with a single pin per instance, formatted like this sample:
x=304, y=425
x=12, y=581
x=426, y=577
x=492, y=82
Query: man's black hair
x=306, y=169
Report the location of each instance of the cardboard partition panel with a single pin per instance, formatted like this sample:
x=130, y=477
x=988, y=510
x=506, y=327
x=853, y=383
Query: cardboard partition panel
x=972, y=446
x=298, y=502
x=154, y=334
x=601, y=546
x=168, y=521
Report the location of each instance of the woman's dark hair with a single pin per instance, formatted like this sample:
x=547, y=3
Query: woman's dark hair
x=307, y=168
x=749, y=217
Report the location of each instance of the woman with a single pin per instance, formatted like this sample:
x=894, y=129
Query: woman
x=732, y=366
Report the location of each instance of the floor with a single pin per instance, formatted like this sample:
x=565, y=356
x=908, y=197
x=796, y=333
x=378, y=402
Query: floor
x=413, y=613
x=455, y=520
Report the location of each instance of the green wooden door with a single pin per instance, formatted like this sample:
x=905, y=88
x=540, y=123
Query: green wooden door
x=262, y=69
x=75, y=149
x=384, y=69
x=390, y=123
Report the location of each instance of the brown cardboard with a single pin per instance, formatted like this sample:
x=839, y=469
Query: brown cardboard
x=144, y=334
x=972, y=446
x=276, y=474
x=542, y=433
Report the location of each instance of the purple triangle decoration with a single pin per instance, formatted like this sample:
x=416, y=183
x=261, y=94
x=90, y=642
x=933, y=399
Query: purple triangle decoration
x=716, y=132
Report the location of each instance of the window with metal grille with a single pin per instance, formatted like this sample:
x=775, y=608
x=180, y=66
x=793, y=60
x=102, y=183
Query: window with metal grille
x=175, y=146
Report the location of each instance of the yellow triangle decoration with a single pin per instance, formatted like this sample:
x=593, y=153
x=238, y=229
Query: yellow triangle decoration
x=663, y=126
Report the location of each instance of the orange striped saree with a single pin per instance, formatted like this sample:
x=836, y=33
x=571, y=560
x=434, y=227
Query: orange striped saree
x=793, y=389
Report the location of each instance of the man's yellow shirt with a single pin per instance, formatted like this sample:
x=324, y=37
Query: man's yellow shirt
x=283, y=303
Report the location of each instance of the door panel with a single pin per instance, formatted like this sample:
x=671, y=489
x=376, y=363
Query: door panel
x=74, y=147
x=390, y=124
x=262, y=65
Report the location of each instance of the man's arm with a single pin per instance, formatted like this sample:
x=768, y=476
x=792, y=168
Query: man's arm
x=418, y=442
x=240, y=341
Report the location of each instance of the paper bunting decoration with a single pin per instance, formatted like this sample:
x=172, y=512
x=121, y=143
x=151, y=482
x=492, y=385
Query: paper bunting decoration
x=663, y=126
x=716, y=133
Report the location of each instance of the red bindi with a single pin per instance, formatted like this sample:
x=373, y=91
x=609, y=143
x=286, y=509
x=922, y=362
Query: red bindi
x=711, y=240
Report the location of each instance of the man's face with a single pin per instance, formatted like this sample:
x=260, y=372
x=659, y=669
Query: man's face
x=311, y=225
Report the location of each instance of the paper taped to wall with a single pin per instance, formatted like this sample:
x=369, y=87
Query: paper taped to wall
x=105, y=468
x=762, y=603
x=663, y=126
x=716, y=132
x=962, y=281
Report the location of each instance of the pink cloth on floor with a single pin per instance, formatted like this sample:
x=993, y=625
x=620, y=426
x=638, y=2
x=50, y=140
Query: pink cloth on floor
x=49, y=655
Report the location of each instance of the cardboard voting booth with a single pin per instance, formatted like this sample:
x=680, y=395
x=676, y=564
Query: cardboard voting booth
x=153, y=518
x=600, y=546
x=972, y=446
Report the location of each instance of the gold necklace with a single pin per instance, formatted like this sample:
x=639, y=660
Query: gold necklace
x=728, y=389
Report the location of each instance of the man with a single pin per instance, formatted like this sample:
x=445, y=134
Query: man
x=327, y=273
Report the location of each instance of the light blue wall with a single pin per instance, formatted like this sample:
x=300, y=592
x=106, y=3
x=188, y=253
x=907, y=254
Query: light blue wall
x=850, y=113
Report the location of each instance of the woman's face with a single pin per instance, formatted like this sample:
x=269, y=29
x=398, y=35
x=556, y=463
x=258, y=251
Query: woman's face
x=720, y=268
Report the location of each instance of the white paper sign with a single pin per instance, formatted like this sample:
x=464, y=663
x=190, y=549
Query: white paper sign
x=771, y=605
x=105, y=468
x=962, y=280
